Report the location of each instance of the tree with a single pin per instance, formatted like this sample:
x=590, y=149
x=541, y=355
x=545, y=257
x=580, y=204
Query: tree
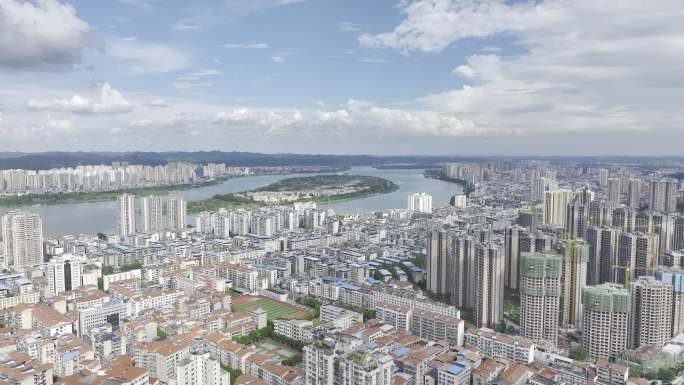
x=234, y=373
x=666, y=375
x=255, y=336
x=500, y=327
x=293, y=361
x=312, y=303
x=102, y=236
x=368, y=314
x=578, y=353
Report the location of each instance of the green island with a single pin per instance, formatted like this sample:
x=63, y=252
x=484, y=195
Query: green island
x=362, y=185
x=101, y=196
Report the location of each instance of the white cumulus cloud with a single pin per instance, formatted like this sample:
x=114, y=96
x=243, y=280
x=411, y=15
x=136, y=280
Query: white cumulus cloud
x=579, y=66
x=41, y=35
x=109, y=101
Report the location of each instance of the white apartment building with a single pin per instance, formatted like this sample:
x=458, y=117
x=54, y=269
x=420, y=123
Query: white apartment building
x=242, y=277
x=122, y=276
x=111, y=312
x=49, y=322
x=152, y=210
x=606, y=320
x=125, y=216
x=63, y=274
x=540, y=295
x=339, y=317
x=176, y=211
x=453, y=374
x=319, y=363
x=491, y=344
x=650, y=313
x=555, y=207
x=324, y=288
x=420, y=202
x=161, y=358
x=22, y=240
x=434, y=327
x=201, y=369
x=365, y=368
x=408, y=298
x=299, y=330
x=398, y=316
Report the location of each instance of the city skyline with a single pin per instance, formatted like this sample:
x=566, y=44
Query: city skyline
x=388, y=77
x=350, y=192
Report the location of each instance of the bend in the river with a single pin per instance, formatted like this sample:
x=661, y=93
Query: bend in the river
x=93, y=217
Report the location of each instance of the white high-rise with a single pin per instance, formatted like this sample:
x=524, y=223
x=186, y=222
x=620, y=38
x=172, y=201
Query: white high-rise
x=421, y=202
x=489, y=284
x=540, y=297
x=662, y=195
x=126, y=216
x=606, y=320
x=634, y=193
x=540, y=186
x=22, y=235
x=201, y=369
x=176, y=210
x=651, y=312
x=603, y=177
x=556, y=207
x=437, y=255
x=614, y=191
x=365, y=368
x=63, y=274
x=152, y=214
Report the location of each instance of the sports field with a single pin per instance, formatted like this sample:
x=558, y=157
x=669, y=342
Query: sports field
x=274, y=309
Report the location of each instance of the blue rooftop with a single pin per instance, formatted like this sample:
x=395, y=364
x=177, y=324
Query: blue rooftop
x=400, y=351
x=455, y=369
x=350, y=287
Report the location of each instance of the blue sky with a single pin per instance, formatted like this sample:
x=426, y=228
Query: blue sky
x=547, y=77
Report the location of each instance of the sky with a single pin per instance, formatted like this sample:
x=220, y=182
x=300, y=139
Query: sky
x=447, y=77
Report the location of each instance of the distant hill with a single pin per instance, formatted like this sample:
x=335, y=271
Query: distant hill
x=45, y=160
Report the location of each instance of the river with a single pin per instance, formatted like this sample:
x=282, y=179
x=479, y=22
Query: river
x=93, y=217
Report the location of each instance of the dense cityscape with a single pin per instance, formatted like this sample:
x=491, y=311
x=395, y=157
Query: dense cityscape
x=546, y=272
x=341, y=192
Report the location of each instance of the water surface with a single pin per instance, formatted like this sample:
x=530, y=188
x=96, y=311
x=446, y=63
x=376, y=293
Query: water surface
x=93, y=217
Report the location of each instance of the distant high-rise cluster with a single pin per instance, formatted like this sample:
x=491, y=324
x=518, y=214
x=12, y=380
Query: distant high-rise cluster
x=421, y=202
x=152, y=215
x=663, y=195
x=93, y=178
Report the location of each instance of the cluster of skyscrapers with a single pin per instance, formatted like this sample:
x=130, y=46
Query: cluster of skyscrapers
x=600, y=258
x=152, y=215
x=118, y=175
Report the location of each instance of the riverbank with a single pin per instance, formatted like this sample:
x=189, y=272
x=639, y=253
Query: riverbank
x=407, y=167
x=103, y=196
x=437, y=174
x=366, y=185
